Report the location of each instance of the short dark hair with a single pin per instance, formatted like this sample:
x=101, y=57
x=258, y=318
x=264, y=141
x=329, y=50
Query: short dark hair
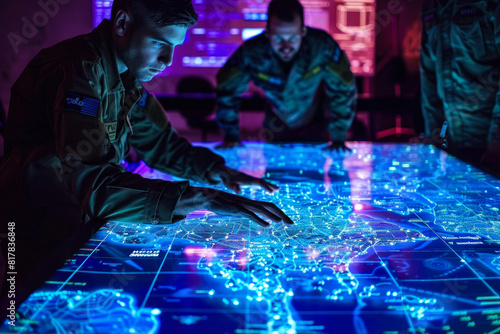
x=162, y=12
x=285, y=10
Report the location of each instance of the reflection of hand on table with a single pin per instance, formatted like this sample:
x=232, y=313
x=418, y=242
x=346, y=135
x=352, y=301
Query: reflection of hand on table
x=338, y=146
x=229, y=144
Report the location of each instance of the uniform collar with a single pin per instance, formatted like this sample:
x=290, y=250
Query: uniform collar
x=116, y=81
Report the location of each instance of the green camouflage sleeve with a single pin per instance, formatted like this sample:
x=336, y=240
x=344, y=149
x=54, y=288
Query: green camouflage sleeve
x=86, y=161
x=341, y=90
x=232, y=81
x=432, y=106
x=159, y=145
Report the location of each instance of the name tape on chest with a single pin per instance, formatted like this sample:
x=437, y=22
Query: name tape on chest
x=467, y=15
x=312, y=72
x=270, y=79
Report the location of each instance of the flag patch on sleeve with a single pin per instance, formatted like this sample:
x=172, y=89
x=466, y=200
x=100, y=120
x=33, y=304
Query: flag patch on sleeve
x=337, y=54
x=81, y=104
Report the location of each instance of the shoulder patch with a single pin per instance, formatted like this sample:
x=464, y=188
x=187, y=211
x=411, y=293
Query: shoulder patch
x=342, y=70
x=337, y=54
x=82, y=104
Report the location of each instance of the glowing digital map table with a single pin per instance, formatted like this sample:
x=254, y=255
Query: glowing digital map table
x=388, y=239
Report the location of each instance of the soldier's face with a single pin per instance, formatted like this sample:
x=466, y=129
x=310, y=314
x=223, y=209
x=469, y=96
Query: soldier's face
x=285, y=37
x=150, y=49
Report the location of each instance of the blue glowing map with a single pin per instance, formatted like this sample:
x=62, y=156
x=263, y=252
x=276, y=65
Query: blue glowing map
x=390, y=238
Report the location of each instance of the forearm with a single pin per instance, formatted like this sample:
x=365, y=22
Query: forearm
x=108, y=192
x=431, y=104
x=159, y=145
x=228, y=121
x=432, y=107
x=341, y=90
x=228, y=105
x=178, y=157
x=343, y=110
x=232, y=80
x=494, y=132
x=192, y=199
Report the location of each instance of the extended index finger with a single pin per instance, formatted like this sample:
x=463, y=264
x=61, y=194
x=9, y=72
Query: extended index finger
x=268, y=186
x=347, y=149
x=247, y=179
x=252, y=216
x=267, y=209
x=277, y=211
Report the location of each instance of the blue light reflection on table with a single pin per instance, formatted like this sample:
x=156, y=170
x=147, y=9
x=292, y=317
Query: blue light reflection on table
x=389, y=238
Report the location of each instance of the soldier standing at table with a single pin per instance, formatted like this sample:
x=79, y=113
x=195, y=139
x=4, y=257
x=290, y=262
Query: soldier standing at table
x=304, y=74
x=460, y=75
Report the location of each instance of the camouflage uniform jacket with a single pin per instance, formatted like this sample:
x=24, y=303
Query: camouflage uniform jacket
x=292, y=97
x=72, y=118
x=460, y=71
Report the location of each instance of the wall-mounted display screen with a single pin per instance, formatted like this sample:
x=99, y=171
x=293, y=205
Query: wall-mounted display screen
x=224, y=24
